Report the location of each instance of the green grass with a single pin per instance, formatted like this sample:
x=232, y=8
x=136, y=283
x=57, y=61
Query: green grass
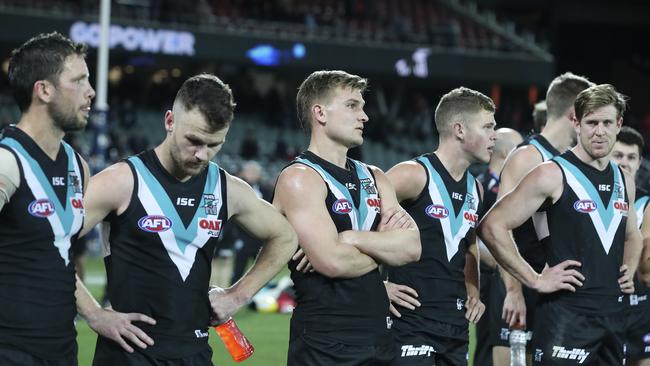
x=269, y=333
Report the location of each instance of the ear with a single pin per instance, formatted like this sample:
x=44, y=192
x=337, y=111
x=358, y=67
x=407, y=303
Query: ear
x=43, y=90
x=169, y=121
x=319, y=113
x=619, y=123
x=458, y=130
x=571, y=114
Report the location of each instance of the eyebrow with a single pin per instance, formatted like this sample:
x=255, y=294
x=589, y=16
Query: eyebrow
x=192, y=136
x=353, y=100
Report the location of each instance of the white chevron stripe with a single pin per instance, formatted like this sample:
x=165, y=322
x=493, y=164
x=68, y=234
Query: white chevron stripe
x=451, y=241
x=61, y=239
x=606, y=235
x=183, y=260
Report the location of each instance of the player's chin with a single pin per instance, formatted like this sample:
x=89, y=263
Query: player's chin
x=79, y=125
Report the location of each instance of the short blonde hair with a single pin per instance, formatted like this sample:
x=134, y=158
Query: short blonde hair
x=319, y=86
x=457, y=104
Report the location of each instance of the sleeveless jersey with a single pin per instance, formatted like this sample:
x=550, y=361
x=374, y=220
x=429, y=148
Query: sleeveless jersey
x=161, y=248
x=526, y=236
x=639, y=300
x=353, y=310
x=37, y=228
x=446, y=214
x=587, y=224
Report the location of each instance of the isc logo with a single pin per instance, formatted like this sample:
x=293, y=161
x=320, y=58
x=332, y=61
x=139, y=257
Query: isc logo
x=342, y=206
x=41, y=208
x=585, y=206
x=155, y=223
x=437, y=211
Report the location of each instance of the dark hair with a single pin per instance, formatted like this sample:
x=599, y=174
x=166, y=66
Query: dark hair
x=319, y=86
x=40, y=58
x=599, y=96
x=456, y=104
x=629, y=136
x=211, y=96
x=562, y=92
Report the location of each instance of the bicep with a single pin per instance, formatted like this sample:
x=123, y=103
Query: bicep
x=516, y=206
x=9, y=172
x=645, y=224
x=106, y=192
x=308, y=215
x=521, y=162
x=386, y=191
x=256, y=216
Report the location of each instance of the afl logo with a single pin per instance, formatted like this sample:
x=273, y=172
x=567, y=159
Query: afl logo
x=155, y=223
x=585, y=206
x=342, y=206
x=437, y=211
x=41, y=208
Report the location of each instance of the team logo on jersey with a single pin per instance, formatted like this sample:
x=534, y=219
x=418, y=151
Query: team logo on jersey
x=41, y=208
x=437, y=211
x=75, y=182
x=585, y=206
x=212, y=226
x=618, y=191
x=210, y=203
x=368, y=185
x=471, y=201
x=155, y=223
x=342, y=206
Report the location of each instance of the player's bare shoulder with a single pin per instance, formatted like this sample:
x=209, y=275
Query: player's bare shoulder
x=117, y=179
x=409, y=178
x=523, y=159
x=299, y=178
x=9, y=166
x=298, y=182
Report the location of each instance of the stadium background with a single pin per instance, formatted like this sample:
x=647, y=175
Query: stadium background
x=413, y=51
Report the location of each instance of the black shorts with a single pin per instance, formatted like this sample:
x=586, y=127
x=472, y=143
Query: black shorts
x=109, y=353
x=318, y=349
x=566, y=337
x=483, y=353
x=637, y=339
x=499, y=329
x=10, y=356
x=432, y=343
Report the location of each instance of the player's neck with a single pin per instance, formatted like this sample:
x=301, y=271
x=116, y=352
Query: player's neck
x=453, y=159
x=558, y=135
x=599, y=163
x=40, y=127
x=165, y=158
x=329, y=150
